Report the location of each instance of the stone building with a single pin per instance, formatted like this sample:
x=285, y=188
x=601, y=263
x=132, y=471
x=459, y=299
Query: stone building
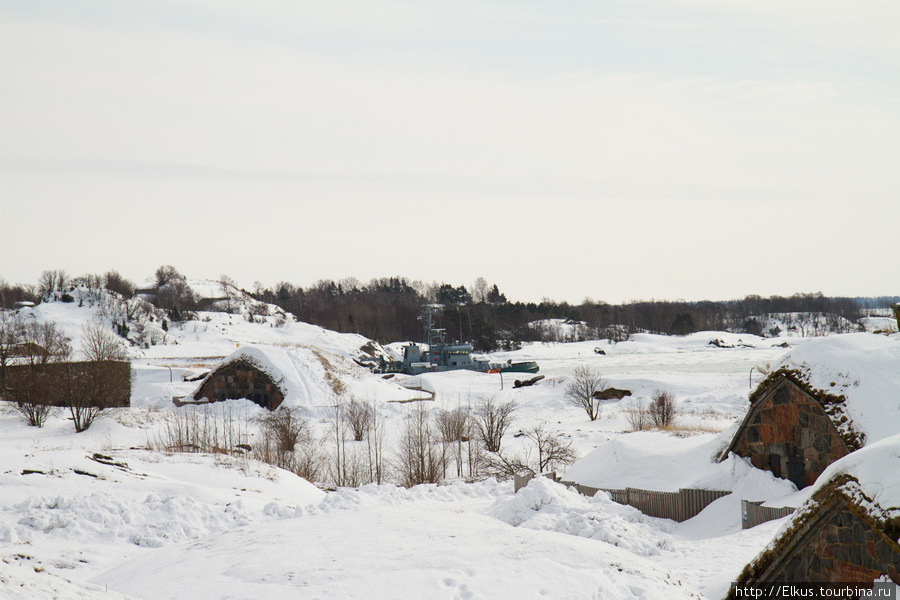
x=827, y=398
x=847, y=531
x=241, y=378
x=789, y=430
x=296, y=376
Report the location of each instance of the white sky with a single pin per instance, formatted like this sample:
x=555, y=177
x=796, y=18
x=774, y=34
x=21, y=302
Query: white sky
x=612, y=149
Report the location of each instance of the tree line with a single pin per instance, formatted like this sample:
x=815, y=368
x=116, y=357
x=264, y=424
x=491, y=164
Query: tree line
x=388, y=309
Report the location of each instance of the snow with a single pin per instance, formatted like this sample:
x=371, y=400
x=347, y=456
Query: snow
x=875, y=323
x=544, y=505
x=389, y=552
x=876, y=468
x=102, y=514
x=211, y=336
x=656, y=461
x=876, y=489
x=863, y=367
x=308, y=376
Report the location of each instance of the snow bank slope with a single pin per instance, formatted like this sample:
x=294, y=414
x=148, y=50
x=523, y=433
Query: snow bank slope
x=658, y=461
x=313, y=377
x=546, y=505
x=862, y=367
x=20, y=580
x=394, y=552
x=57, y=502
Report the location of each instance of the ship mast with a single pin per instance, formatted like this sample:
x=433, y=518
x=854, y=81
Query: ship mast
x=433, y=336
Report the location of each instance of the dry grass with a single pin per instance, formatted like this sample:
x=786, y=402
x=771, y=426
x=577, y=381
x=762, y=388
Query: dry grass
x=337, y=386
x=691, y=429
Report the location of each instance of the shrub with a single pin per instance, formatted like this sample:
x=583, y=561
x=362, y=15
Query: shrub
x=493, y=419
x=662, y=408
x=582, y=389
x=420, y=458
x=359, y=416
x=638, y=417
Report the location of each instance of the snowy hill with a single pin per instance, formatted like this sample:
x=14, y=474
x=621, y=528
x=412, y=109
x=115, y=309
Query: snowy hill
x=211, y=334
x=112, y=508
x=308, y=377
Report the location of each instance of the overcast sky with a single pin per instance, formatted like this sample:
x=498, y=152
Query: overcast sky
x=615, y=150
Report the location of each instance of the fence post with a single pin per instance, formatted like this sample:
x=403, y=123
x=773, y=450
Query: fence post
x=520, y=481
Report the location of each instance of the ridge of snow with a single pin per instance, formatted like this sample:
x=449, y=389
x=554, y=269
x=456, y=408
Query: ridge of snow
x=862, y=367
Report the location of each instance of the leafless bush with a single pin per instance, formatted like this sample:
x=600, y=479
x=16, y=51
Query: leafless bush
x=286, y=441
x=420, y=457
x=202, y=429
x=52, y=281
x=359, y=416
x=547, y=451
x=308, y=459
x=638, y=416
x=285, y=427
x=453, y=425
x=375, y=448
x=115, y=282
x=662, y=408
x=100, y=382
x=581, y=390
x=552, y=452
x=35, y=415
x=37, y=384
x=493, y=418
x=503, y=467
x=352, y=463
x=455, y=429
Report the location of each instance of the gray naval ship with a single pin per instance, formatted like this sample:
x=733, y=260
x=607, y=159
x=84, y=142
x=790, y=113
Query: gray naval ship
x=437, y=355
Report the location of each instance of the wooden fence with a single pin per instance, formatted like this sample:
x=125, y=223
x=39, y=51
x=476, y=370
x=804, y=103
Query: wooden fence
x=678, y=506
x=753, y=513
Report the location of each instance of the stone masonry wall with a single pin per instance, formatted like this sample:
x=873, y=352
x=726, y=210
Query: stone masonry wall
x=241, y=380
x=790, y=435
x=840, y=546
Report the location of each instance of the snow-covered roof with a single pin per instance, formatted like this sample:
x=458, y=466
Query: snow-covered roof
x=868, y=479
x=655, y=460
x=862, y=371
x=875, y=471
x=308, y=376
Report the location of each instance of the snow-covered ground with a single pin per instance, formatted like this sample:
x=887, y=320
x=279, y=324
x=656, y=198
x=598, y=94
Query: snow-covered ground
x=102, y=514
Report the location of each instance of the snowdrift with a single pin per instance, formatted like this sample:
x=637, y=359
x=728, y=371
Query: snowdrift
x=310, y=377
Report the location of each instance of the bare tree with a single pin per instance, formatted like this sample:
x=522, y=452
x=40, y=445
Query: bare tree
x=546, y=451
x=52, y=281
x=454, y=427
x=375, y=448
x=338, y=463
x=228, y=286
x=583, y=387
x=348, y=466
x=11, y=326
x=662, y=408
x=287, y=442
x=102, y=380
x=166, y=274
x=493, y=418
x=114, y=282
x=36, y=384
x=480, y=290
x=420, y=457
x=177, y=297
x=552, y=452
x=359, y=416
x=638, y=416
